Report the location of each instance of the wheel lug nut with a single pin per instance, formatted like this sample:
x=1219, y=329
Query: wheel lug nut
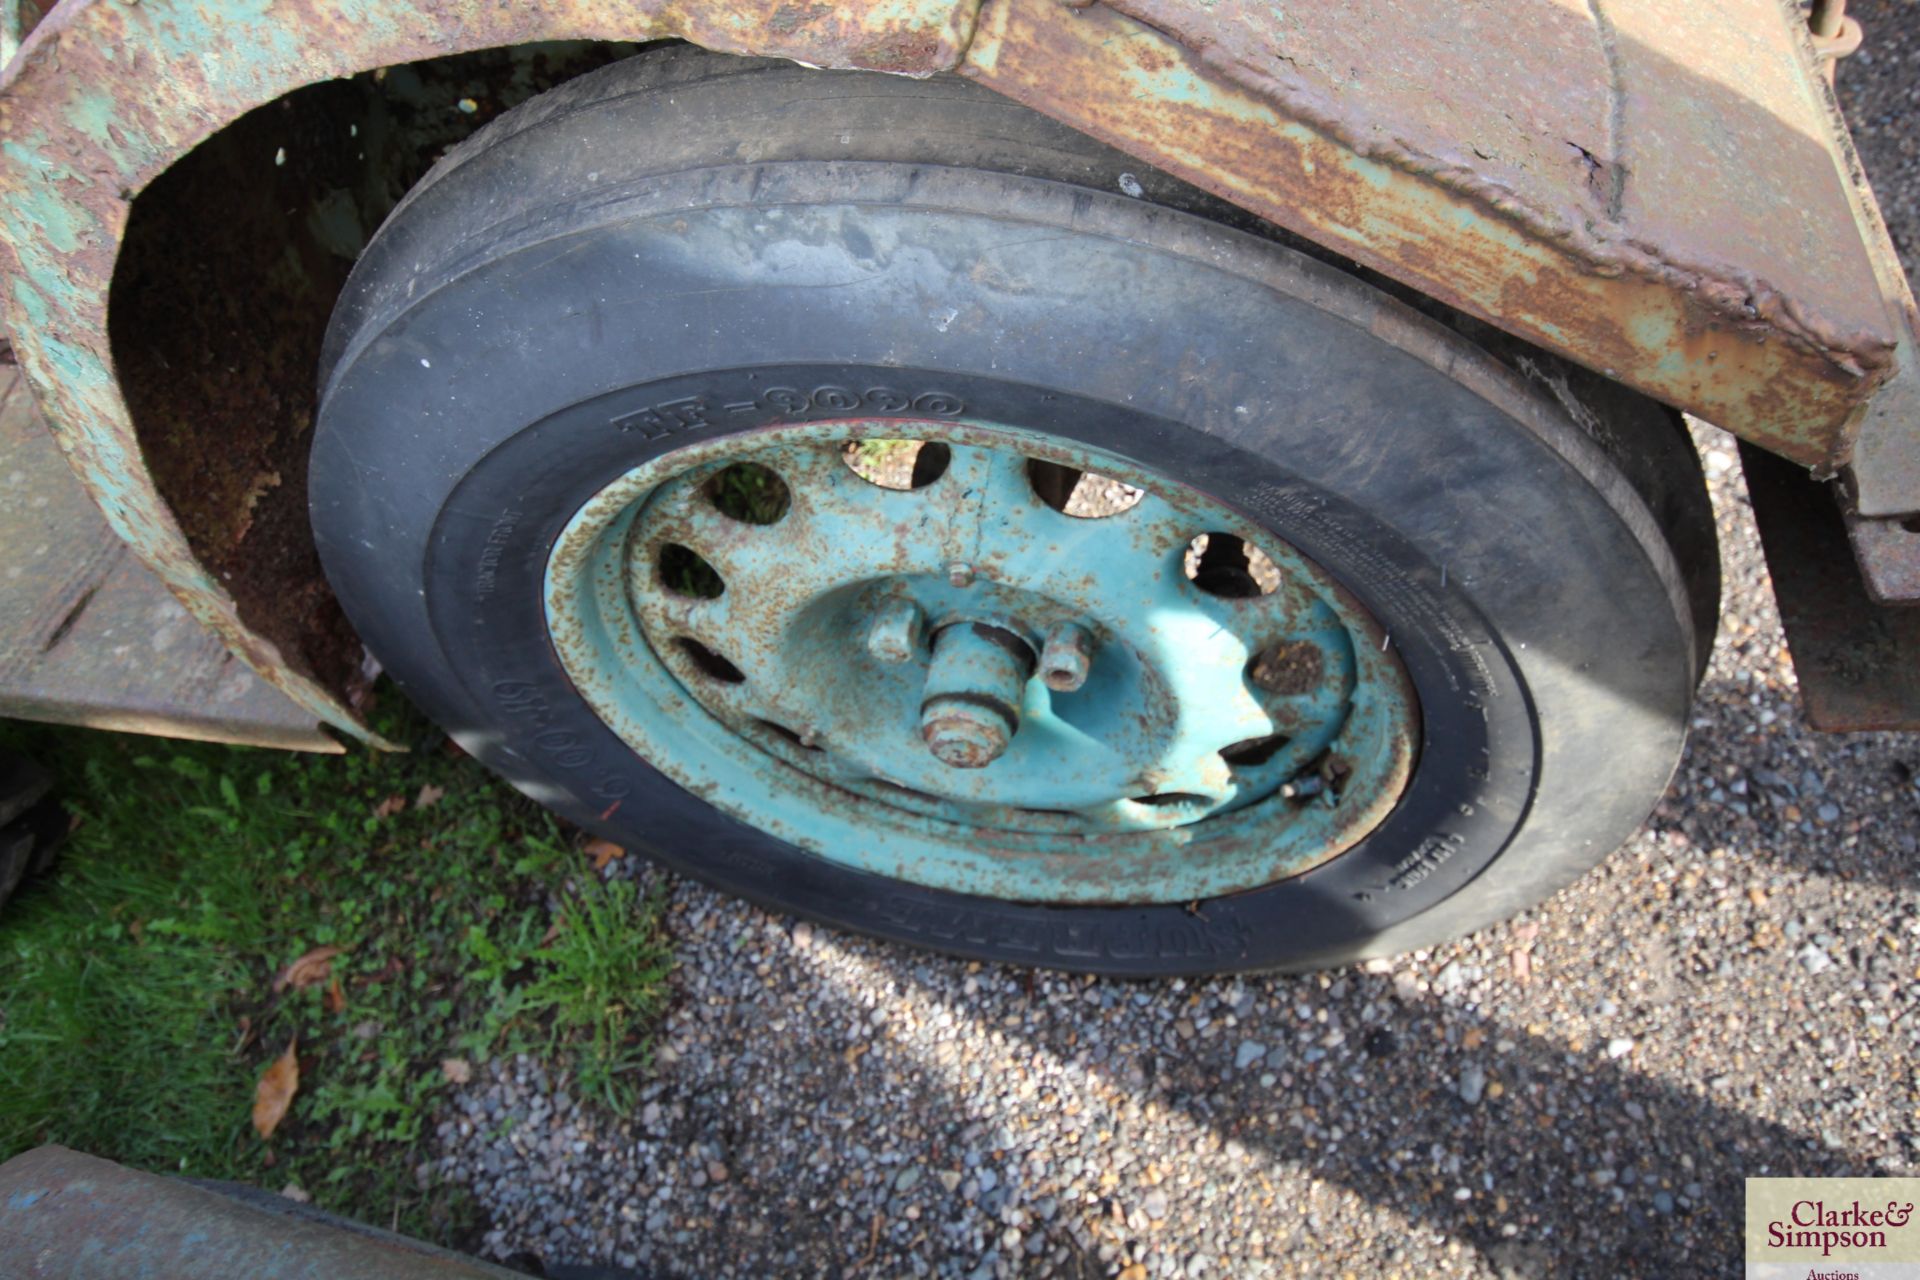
x=895, y=634
x=960, y=574
x=973, y=693
x=1065, y=658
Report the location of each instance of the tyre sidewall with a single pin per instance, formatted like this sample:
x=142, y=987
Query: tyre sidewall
x=598, y=353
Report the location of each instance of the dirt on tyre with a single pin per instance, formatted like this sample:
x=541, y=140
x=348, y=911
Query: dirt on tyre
x=886, y=504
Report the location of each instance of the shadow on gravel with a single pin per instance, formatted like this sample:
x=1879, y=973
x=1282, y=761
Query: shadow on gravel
x=1836, y=804
x=1546, y=1156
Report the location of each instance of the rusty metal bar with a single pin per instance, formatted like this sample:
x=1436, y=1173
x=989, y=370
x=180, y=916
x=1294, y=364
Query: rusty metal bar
x=1857, y=660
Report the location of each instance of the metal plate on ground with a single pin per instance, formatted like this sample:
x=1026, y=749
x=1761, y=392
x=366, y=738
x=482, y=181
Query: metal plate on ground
x=89, y=636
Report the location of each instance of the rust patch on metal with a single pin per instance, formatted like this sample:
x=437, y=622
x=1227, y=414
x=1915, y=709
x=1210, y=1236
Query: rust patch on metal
x=1887, y=552
x=1362, y=155
x=1289, y=668
x=1858, y=662
x=1561, y=169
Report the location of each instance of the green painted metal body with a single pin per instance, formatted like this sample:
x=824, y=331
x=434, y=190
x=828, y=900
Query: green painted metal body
x=1218, y=742
x=1659, y=189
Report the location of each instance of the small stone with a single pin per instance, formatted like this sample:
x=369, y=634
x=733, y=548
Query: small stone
x=1663, y=1201
x=1813, y=959
x=716, y=1172
x=1249, y=1052
x=909, y=1179
x=1619, y=1047
x=802, y=936
x=949, y=1178
x=1155, y=1204
x=1380, y=1043
x=1473, y=1083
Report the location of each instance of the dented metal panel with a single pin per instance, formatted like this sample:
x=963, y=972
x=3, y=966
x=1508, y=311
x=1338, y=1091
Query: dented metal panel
x=1658, y=189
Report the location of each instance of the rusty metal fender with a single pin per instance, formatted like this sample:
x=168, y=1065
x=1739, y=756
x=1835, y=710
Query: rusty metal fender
x=1659, y=189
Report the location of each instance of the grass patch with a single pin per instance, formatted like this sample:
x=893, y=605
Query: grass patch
x=137, y=1002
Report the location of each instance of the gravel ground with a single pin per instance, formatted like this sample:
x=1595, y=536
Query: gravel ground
x=1577, y=1092
x=1880, y=92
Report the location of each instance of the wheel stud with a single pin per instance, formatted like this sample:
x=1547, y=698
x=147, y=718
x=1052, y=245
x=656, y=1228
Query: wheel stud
x=960, y=574
x=1065, y=658
x=973, y=694
x=895, y=635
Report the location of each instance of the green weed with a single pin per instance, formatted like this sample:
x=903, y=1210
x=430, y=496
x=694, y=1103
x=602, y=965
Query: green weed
x=137, y=1008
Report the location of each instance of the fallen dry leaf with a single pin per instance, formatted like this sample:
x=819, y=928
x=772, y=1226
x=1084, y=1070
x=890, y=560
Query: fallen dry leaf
x=390, y=806
x=309, y=970
x=602, y=852
x=429, y=794
x=335, y=999
x=456, y=1070
x=274, y=1094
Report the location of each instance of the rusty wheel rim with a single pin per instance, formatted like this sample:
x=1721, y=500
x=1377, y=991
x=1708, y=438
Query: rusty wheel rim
x=969, y=657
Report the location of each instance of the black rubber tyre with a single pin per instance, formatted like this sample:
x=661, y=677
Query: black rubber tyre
x=608, y=250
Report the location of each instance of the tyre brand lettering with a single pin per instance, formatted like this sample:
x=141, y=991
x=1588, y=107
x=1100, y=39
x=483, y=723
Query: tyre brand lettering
x=668, y=418
x=835, y=400
x=518, y=698
x=939, y=405
x=565, y=750
x=496, y=546
x=1427, y=857
x=1190, y=937
x=692, y=413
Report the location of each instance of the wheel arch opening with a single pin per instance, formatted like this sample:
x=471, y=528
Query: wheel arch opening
x=220, y=297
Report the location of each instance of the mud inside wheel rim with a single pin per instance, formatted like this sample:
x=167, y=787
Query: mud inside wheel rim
x=966, y=656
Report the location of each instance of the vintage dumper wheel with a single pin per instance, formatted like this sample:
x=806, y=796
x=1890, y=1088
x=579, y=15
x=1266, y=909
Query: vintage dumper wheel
x=883, y=503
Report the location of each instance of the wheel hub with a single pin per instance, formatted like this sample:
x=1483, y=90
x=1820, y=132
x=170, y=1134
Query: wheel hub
x=917, y=653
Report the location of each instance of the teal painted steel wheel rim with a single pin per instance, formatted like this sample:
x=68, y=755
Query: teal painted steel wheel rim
x=981, y=659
